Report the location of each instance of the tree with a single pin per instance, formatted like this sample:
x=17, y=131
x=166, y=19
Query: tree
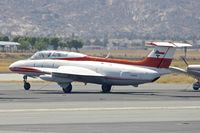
x=70, y=44
x=4, y=38
x=24, y=45
x=62, y=44
x=41, y=44
x=77, y=44
x=54, y=42
x=32, y=41
x=16, y=39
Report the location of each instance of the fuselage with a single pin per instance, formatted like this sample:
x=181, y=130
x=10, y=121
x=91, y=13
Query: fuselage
x=194, y=70
x=115, y=74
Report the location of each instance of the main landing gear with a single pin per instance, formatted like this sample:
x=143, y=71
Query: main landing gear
x=27, y=85
x=106, y=88
x=66, y=87
x=196, y=86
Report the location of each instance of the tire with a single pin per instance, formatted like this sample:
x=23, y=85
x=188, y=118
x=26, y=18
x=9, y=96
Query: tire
x=196, y=86
x=106, y=88
x=27, y=86
x=67, y=89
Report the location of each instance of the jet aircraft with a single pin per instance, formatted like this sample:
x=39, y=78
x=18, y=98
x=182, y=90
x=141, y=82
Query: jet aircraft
x=66, y=67
x=191, y=70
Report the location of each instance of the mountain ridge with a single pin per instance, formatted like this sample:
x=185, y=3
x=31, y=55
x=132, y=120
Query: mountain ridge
x=99, y=18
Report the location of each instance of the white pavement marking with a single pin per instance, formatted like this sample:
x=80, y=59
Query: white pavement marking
x=98, y=109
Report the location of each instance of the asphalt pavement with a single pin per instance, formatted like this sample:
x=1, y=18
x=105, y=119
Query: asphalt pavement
x=149, y=108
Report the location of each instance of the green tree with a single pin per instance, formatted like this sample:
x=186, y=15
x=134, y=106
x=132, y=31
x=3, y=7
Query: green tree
x=75, y=43
x=4, y=38
x=16, y=39
x=69, y=45
x=32, y=41
x=54, y=42
x=41, y=44
x=24, y=44
x=62, y=44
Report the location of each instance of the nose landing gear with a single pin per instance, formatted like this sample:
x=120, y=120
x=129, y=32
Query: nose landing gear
x=27, y=85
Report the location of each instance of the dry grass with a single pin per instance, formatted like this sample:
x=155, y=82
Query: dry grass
x=175, y=78
x=4, y=64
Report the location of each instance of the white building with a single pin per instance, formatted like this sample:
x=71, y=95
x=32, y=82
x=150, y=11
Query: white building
x=8, y=46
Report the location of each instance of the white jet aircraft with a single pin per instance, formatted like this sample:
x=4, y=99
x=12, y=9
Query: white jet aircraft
x=191, y=70
x=65, y=67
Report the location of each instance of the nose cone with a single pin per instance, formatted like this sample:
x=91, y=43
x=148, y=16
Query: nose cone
x=14, y=66
x=193, y=67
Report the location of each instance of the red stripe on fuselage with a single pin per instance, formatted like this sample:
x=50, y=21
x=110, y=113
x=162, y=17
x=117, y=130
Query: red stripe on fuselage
x=149, y=61
x=26, y=69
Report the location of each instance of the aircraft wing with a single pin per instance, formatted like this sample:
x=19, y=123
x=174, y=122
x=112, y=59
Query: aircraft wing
x=69, y=73
x=69, y=70
x=76, y=74
x=73, y=70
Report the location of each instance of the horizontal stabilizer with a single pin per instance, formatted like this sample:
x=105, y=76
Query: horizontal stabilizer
x=194, y=74
x=169, y=44
x=178, y=70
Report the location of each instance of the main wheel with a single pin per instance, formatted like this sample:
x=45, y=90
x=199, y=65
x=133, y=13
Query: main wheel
x=196, y=86
x=67, y=89
x=106, y=88
x=27, y=86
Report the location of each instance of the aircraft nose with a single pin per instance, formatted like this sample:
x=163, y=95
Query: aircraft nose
x=13, y=66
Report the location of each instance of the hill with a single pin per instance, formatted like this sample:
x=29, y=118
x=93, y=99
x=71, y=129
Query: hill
x=99, y=18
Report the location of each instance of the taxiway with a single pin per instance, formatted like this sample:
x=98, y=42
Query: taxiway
x=148, y=108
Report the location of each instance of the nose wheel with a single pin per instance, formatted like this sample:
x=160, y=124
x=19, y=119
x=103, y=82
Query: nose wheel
x=27, y=85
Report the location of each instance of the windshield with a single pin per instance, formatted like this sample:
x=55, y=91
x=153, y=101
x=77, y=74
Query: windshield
x=41, y=55
x=54, y=54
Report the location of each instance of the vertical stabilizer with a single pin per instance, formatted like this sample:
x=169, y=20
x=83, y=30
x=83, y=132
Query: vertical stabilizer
x=161, y=56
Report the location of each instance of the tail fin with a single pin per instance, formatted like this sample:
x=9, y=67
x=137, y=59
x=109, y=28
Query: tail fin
x=161, y=56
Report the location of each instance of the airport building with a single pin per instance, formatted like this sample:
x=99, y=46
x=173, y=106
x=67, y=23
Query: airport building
x=8, y=46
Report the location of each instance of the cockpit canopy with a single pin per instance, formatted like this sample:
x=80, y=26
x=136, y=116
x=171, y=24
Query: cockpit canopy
x=55, y=54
